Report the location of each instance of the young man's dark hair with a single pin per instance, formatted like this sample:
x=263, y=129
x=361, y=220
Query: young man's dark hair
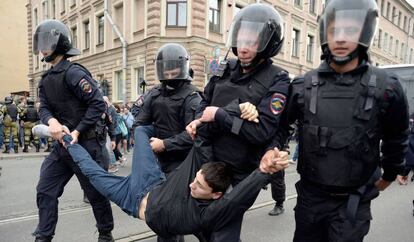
x=217, y=175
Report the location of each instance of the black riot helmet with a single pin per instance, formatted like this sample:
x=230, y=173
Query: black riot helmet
x=172, y=63
x=265, y=23
x=54, y=37
x=351, y=20
x=8, y=100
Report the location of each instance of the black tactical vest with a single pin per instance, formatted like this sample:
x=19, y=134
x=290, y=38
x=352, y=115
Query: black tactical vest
x=340, y=130
x=12, y=111
x=228, y=147
x=31, y=115
x=168, y=119
x=64, y=105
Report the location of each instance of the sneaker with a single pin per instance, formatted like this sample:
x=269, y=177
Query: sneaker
x=43, y=239
x=277, y=210
x=293, y=162
x=106, y=237
x=112, y=168
x=123, y=161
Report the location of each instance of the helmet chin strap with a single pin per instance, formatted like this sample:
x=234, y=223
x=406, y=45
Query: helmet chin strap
x=49, y=58
x=345, y=59
x=253, y=63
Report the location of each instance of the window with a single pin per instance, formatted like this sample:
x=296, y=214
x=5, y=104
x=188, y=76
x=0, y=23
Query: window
x=399, y=19
x=397, y=43
x=382, y=7
x=385, y=41
x=405, y=23
x=72, y=3
x=35, y=17
x=74, y=37
x=36, y=57
x=101, y=29
x=298, y=2
x=402, y=51
x=379, y=38
x=177, y=13
x=393, y=15
x=62, y=6
x=312, y=6
x=237, y=9
x=295, y=42
x=411, y=56
x=139, y=15
x=214, y=15
x=119, y=17
x=87, y=34
x=119, y=86
x=309, y=48
x=388, y=10
x=45, y=9
x=53, y=10
x=390, y=44
x=139, y=75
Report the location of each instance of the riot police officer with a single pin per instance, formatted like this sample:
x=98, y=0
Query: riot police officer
x=170, y=106
x=344, y=108
x=255, y=36
x=68, y=96
x=10, y=113
x=30, y=118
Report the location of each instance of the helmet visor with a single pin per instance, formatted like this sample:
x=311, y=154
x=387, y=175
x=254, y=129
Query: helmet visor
x=45, y=41
x=348, y=26
x=172, y=69
x=251, y=35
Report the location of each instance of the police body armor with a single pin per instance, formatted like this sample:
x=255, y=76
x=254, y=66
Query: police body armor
x=340, y=128
x=12, y=112
x=65, y=106
x=168, y=116
x=31, y=115
x=228, y=147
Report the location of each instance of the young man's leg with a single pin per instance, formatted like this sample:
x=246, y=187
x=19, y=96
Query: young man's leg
x=126, y=192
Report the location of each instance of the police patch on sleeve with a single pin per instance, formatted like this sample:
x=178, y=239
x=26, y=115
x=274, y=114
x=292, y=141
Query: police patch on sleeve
x=277, y=103
x=85, y=86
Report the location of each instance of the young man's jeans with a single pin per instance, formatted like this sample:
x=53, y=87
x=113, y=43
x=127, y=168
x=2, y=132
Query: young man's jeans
x=126, y=192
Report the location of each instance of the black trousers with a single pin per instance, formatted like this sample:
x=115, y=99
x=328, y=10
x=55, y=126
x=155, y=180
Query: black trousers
x=278, y=186
x=56, y=170
x=322, y=217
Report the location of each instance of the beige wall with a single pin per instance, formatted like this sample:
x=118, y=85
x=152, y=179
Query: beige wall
x=14, y=63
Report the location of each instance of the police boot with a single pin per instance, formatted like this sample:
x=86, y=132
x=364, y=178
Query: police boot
x=37, y=148
x=43, y=239
x=16, y=149
x=106, y=237
x=277, y=210
x=6, y=149
x=26, y=149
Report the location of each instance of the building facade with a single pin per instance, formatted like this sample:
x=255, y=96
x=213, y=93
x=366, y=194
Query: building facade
x=119, y=38
x=14, y=64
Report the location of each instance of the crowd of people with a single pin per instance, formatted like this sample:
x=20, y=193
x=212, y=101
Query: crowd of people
x=200, y=158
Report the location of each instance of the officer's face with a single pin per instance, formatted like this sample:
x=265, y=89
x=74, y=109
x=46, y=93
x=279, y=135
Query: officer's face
x=343, y=36
x=172, y=74
x=247, y=44
x=200, y=189
x=46, y=53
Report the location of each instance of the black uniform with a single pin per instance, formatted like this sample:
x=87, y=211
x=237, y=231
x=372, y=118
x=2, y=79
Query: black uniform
x=230, y=139
x=342, y=118
x=68, y=93
x=170, y=112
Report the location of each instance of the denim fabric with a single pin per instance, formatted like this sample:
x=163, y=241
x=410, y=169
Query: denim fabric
x=127, y=192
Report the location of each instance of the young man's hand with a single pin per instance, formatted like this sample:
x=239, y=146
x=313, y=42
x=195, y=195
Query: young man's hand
x=208, y=114
x=249, y=112
x=382, y=184
x=402, y=180
x=75, y=136
x=157, y=145
x=274, y=161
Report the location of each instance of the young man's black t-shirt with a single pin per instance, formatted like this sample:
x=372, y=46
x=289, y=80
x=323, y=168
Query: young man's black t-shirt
x=172, y=210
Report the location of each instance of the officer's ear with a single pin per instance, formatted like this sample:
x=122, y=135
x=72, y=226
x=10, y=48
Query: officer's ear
x=216, y=195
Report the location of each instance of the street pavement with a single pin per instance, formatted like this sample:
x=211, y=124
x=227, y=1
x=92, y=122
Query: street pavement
x=392, y=211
